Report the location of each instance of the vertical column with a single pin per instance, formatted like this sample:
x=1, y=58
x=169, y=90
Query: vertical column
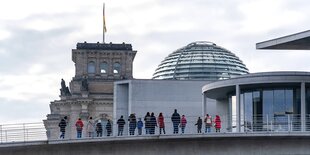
x=116, y=88
x=130, y=107
x=303, y=106
x=238, y=108
x=204, y=104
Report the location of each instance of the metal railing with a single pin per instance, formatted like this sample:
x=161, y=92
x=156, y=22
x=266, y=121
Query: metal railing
x=248, y=124
x=274, y=123
x=22, y=132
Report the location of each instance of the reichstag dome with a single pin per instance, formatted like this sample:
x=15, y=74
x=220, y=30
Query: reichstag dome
x=200, y=61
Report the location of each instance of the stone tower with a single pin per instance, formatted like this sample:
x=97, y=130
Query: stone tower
x=97, y=66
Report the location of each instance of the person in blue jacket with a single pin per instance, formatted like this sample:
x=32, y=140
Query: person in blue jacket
x=140, y=125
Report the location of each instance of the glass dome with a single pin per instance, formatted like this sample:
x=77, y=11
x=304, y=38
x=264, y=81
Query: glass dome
x=200, y=61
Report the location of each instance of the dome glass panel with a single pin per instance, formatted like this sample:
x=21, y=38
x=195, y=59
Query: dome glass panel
x=200, y=61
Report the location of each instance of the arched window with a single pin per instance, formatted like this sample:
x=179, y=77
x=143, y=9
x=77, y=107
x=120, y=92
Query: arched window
x=103, y=67
x=91, y=67
x=116, y=68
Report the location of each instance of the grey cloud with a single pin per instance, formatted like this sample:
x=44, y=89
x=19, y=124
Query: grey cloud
x=26, y=47
x=19, y=111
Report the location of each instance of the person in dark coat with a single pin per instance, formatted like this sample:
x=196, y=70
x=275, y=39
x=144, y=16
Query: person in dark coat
x=217, y=122
x=108, y=127
x=132, y=124
x=147, y=120
x=99, y=128
x=62, y=126
x=199, y=125
x=120, y=122
x=153, y=123
x=175, y=118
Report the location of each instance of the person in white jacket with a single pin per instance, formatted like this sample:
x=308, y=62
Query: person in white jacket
x=90, y=128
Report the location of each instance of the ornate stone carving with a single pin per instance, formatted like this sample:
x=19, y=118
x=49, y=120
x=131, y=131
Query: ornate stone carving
x=84, y=84
x=64, y=90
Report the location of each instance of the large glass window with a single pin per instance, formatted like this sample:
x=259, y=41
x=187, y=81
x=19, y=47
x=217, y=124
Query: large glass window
x=272, y=109
x=267, y=106
x=116, y=68
x=289, y=99
x=257, y=111
x=279, y=102
x=91, y=67
x=248, y=111
x=308, y=108
x=280, y=118
x=242, y=112
x=104, y=67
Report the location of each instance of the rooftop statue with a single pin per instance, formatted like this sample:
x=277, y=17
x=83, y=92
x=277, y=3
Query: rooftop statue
x=64, y=90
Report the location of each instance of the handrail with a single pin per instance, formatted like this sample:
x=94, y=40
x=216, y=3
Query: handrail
x=285, y=123
x=22, y=132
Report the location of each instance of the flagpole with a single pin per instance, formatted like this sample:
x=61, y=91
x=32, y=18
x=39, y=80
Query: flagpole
x=103, y=25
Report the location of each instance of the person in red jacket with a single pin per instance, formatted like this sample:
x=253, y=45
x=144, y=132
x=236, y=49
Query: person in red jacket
x=217, y=122
x=79, y=127
x=161, y=123
x=183, y=123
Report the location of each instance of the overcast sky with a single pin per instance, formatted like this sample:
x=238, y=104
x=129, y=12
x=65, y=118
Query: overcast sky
x=36, y=38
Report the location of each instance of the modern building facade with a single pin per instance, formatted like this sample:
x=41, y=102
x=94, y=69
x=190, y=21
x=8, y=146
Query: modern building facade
x=200, y=61
x=90, y=93
x=160, y=96
x=271, y=101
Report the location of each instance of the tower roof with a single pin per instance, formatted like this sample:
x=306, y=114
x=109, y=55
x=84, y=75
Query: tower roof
x=104, y=46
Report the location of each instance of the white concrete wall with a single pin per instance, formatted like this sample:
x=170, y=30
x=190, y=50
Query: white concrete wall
x=161, y=96
x=121, y=97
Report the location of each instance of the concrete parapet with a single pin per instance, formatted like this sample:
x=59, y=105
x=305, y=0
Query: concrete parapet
x=241, y=144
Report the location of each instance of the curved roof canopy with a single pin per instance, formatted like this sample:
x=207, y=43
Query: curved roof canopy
x=297, y=41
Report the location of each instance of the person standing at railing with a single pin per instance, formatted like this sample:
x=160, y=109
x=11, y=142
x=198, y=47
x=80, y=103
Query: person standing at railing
x=62, y=125
x=147, y=121
x=108, y=127
x=175, y=118
x=208, y=123
x=99, y=128
x=199, y=125
x=217, y=122
x=90, y=128
x=132, y=124
x=120, y=123
x=183, y=123
x=79, y=127
x=161, y=123
x=153, y=123
x=140, y=125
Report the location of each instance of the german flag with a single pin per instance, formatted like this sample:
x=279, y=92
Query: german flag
x=104, y=26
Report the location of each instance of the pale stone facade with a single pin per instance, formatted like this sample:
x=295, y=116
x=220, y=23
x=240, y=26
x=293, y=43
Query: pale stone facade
x=98, y=66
